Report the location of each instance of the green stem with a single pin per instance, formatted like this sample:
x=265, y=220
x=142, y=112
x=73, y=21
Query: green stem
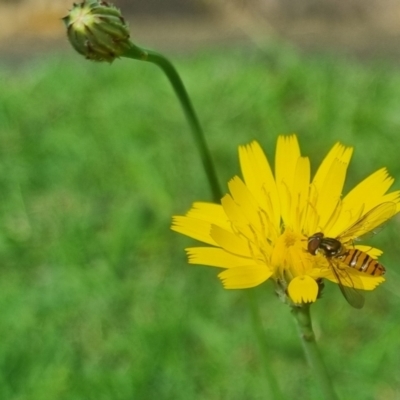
x=147, y=55
x=275, y=392
x=179, y=88
x=304, y=325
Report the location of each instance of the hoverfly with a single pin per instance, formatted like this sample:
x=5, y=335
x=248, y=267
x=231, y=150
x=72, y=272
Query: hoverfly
x=340, y=257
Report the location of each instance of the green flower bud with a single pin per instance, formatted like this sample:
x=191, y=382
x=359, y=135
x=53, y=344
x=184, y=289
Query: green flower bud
x=97, y=30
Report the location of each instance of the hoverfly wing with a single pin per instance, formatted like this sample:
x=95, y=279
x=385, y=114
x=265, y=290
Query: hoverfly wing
x=352, y=296
x=371, y=220
x=346, y=285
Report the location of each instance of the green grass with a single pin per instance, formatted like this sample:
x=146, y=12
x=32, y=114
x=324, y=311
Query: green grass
x=97, y=300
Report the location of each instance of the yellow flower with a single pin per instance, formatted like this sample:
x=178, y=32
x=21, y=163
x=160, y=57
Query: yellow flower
x=264, y=228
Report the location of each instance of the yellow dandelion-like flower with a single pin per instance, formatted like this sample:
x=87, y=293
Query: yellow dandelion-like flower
x=290, y=228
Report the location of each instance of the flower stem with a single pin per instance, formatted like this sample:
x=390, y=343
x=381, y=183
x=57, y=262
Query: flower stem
x=179, y=88
x=138, y=53
x=307, y=336
x=275, y=392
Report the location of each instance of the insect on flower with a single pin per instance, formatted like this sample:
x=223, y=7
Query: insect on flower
x=340, y=257
x=293, y=227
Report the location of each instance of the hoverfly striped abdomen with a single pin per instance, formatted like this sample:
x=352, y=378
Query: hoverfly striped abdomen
x=361, y=262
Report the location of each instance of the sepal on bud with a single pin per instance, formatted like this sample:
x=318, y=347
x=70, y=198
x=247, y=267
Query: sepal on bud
x=97, y=30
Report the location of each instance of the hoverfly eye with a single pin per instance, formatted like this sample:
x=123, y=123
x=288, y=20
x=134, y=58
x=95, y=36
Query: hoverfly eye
x=313, y=245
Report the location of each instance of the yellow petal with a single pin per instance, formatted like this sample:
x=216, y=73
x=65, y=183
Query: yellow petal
x=392, y=197
x=328, y=182
x=215, y=257
x=287, y=154
x=371, y=282
x=234, y=213
x=303, y=289
x=366, y=223
x=299, y=195
x=241, y=223
x=213, y=213
x=230, y=242
x=258, y=177
x=197, y=222
x=311, y=223
x=371, y=251
x=246, y=202
x=366, y=196
x=369, y=192
x=332, y=224
x=244, y=277
x=194, y=228
x=336, y=153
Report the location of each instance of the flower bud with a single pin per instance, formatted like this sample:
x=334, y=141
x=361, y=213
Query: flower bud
x=97, y=30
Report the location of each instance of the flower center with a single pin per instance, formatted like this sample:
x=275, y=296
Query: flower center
x=290, y=238
x=289, y=256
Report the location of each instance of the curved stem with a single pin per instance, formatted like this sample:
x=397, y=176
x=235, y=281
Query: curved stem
x=179, y=88
x=275, y=392
x=304, y=325
x=138, y=53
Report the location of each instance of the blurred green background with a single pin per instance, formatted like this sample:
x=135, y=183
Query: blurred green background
x=97, y=299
